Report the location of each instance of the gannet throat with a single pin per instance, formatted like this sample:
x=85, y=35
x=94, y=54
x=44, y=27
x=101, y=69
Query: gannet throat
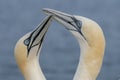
x=91, y=39
x=27, y=51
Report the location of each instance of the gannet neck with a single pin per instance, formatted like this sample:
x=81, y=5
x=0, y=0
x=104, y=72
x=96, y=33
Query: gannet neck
x=92, y=51
x=32, y=71
x=89, y=64
x=92, y=45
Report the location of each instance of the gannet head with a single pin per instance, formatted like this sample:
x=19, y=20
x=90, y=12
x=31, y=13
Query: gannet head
x=27, y=48
x=91, y=39
x=84, y=29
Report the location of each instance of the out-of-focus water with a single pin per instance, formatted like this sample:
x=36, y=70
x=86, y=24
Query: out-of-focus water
x=60, y=52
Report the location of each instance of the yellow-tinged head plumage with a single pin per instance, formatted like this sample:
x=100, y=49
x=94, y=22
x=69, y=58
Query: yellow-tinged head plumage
x=21, y=52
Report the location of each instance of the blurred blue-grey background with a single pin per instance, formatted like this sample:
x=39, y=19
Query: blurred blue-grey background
x=60, y=52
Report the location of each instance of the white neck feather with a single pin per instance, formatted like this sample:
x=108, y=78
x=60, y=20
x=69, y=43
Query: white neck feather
x=33, y=71
x=90, y=61
x=82, y=72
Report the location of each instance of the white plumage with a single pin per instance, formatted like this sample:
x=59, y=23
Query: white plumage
x=91, y=40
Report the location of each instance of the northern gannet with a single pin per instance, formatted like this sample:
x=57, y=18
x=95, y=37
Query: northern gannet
x=91, y=40
x=27, y=51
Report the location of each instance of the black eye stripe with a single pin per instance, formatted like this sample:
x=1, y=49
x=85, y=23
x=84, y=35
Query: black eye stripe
x=77, y=25
x=33, y=40
x=77, y=22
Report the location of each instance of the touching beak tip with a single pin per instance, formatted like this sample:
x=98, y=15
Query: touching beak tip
x=51, y=12
x=56, y=13
x=47, y=11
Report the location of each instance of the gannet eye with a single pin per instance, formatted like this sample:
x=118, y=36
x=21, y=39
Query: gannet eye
x=79, y=24
x=27, y=41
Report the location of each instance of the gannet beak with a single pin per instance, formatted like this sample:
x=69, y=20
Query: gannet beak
x=36, y=36
x=69, y=21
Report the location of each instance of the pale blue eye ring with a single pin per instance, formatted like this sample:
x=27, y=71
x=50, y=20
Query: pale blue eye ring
x=27, y=41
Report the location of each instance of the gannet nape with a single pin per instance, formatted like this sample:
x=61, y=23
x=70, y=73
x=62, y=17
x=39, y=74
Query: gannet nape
x=27, y=51
x=91, y=39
